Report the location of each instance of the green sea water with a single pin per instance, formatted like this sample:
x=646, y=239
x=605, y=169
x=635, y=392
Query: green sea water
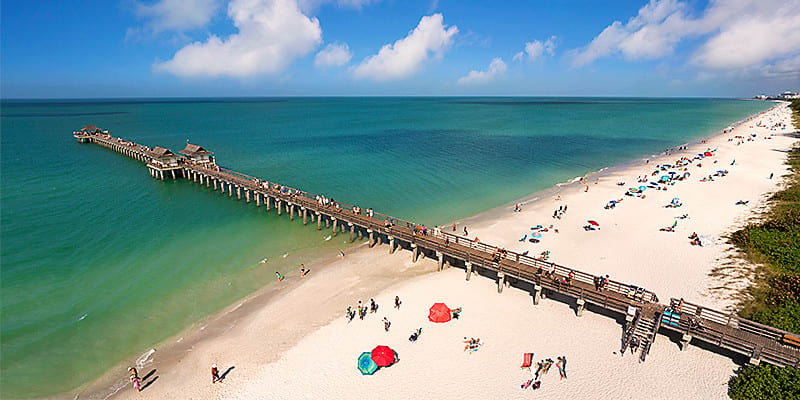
x=99, y=262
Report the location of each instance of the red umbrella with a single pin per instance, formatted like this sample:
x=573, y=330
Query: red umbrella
x=439, y=312
x=593, y=222
x=383, y=356
x=708, y=154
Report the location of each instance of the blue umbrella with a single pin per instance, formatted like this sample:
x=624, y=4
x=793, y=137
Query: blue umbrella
x=612, y=201
x=676, y=200
x=665, y=178
x=642, y=188
x=536, y=234
x=366, y=365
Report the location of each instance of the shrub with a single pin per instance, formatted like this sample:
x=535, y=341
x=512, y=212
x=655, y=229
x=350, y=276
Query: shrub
x=765, y=382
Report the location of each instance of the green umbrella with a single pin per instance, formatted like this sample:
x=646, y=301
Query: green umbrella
x=365, y=363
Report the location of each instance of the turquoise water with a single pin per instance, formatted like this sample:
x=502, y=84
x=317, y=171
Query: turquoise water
x=100, y=261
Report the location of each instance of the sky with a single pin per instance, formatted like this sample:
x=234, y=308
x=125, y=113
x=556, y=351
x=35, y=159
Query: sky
x=216, y=48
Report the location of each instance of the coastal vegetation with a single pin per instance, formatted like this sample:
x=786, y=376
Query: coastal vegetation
x=774, y=243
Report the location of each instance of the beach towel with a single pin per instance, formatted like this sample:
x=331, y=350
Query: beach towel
x=527, y=361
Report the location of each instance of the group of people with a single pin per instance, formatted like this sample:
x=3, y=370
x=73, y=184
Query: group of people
x=325, y=201
x=372, y=308
x=694, y=240
x=499, y=254
x=601, y=283
x=359, y=211
x=542, y=368
x=560, y=211
x=472, y=344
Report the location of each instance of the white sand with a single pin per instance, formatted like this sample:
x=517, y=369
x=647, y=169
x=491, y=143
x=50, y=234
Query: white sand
x=297, y=345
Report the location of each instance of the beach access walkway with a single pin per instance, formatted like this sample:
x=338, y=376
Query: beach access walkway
x=645, y=317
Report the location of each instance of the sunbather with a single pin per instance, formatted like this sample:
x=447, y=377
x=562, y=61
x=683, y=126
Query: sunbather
x=414, y=336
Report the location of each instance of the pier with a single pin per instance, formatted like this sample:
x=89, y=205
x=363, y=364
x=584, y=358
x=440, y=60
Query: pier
x=644, y=315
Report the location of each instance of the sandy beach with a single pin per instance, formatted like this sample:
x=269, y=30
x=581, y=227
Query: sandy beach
x=291, y=340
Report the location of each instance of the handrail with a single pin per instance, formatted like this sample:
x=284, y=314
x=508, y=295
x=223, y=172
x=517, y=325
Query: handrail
x=743, y=336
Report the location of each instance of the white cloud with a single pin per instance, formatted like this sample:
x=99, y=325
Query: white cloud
x=738, y=33
x=496, y=68
x=177, y=15
x=334, y=54
x=788, y=68
x=750, y=34
x=647, y=35
x=406, y=56
x=536, y=48
x=272, y=34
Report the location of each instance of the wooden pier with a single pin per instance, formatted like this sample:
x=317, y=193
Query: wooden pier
x=644, y=316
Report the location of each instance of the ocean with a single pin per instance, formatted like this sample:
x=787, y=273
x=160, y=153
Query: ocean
x=99, y=262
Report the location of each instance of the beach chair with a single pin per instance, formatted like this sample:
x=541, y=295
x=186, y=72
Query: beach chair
x=527, y=360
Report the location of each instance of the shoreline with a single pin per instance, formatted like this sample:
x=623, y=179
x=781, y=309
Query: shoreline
x=604, y=172
x=243, y=309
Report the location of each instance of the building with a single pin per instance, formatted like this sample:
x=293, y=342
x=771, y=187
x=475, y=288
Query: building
x=198, y=154
x=164, y=157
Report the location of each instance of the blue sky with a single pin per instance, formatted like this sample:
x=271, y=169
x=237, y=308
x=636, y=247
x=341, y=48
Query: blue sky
x=157, y=48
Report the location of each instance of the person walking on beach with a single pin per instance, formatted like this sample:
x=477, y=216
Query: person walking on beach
x=386, y=324
x=302, y=270
x=279, y=276
x=134, y=378
x=397, y=302
x=465, y=231
x=215, y=374
x=373, y=306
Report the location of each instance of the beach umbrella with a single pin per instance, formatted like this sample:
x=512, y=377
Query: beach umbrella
x=366, y=365
x=439, y=313
x=676, y=200
x=537, y=234
x=612, y=201
x=383, y=356
x=642, y=188
x=593, y=222
x=708, y=154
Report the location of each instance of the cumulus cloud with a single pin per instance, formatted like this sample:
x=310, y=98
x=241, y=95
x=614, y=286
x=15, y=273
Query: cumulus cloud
x=737, y=33
x=271, y=34
x=496, y=68
x=406, y=56
x=751, y=33
x=652, y=33
x=788, y=68
x=536, y=48
x=333, y=55
x=177, y=15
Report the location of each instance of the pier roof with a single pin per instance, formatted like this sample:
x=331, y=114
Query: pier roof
x=160, y=152
x=194, y=150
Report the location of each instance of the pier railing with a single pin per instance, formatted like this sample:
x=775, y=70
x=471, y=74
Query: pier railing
x=725, y=330
x=624, y=289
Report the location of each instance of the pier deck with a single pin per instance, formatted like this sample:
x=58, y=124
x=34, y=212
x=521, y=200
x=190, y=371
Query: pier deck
x=641, y=308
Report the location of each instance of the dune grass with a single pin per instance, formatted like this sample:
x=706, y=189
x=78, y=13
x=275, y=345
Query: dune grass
x=774, y=244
